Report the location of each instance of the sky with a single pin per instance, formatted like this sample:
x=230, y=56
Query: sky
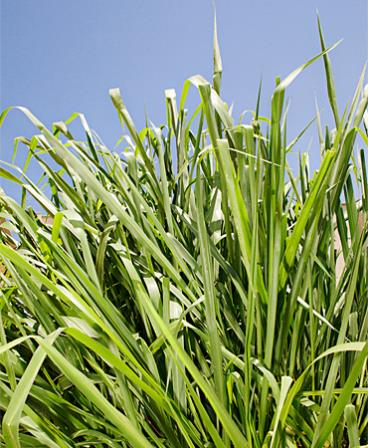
x=59, y=57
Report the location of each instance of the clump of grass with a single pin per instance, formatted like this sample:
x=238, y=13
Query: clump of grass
x=185, y=292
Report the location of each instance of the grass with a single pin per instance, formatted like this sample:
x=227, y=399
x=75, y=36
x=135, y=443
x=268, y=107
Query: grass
x=185, y=292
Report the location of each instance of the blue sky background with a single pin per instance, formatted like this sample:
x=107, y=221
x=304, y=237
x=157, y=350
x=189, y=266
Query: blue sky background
x=60, y=57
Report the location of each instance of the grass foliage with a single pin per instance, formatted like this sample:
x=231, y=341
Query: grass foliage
x=185, y=293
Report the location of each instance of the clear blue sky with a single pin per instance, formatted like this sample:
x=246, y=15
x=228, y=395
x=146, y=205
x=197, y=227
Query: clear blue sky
x=60, y=57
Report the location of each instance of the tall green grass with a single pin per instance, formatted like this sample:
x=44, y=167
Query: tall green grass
x=185, y=293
